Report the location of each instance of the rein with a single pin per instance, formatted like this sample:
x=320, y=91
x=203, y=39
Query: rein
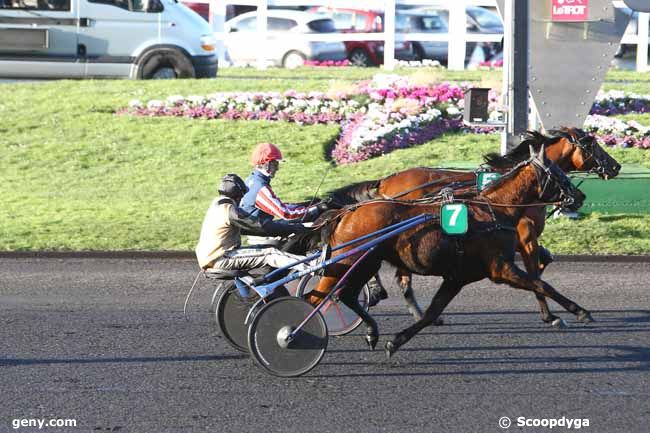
x=424, y=185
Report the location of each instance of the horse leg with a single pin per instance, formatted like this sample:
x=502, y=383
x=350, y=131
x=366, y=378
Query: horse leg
x=507, y=272
x=530, y=253
x=351, y=299
x=545, y=259
x=404, y=280
x=447, y=291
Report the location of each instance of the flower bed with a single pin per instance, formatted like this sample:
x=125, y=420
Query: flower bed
x=386, y=113
x=617, y=102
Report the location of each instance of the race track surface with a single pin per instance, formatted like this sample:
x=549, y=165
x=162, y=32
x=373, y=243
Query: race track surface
x=104, y=342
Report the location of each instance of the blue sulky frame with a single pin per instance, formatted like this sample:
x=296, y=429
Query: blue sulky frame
x=367, y=247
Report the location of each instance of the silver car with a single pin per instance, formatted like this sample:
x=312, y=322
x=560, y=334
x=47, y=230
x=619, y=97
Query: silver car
x=411, y=21
x=285, y=45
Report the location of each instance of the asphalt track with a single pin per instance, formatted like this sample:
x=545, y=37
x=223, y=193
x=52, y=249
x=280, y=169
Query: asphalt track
x=104, y=342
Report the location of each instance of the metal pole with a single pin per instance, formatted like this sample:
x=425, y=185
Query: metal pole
x=389, y=35
x=642, y=42
x=262, y=22
x=517, y=17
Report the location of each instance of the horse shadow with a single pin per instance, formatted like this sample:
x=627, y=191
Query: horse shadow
x=477, y=360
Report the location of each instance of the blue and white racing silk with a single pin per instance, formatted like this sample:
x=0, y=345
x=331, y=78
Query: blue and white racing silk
x=261, y=202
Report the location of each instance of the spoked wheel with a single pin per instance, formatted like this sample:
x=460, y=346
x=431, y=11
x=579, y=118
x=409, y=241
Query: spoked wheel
x=230, y=313
x=268, y=343
x=339, y=318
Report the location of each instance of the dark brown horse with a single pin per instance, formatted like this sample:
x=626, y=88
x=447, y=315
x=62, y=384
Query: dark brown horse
x=570, y=149
x=486, y=251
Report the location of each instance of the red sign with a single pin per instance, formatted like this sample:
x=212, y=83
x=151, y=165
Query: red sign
x=570, y=10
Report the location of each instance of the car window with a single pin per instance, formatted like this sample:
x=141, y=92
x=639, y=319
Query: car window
x=325, y=25
x=122, y=4
x=247, y=25
x=402, y=23
x=280, y=24
x=433, y=23
x=343, y=20
x=485, y=18
x=360, y=22
x=47, y=5
x=133, y=5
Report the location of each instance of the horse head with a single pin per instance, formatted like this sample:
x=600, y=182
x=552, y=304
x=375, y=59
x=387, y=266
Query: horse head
x=553, y=185
x=583, y=153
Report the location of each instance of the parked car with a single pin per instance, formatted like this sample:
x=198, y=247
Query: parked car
x=104, y=38
x=363, y=53
x=413, y=21
x=479, y=21
x=286, y=45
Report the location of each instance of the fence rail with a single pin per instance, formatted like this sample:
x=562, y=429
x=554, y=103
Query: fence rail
x=457, y=36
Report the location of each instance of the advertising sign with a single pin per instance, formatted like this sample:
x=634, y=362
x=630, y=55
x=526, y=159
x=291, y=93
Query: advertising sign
x=570, y=10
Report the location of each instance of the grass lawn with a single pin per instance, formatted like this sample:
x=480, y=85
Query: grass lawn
x=73, y=176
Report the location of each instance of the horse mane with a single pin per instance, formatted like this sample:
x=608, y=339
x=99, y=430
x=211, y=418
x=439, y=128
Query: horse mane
x=354, y=193
x=522, y=151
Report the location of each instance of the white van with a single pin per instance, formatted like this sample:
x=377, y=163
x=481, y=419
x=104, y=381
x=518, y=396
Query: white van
x=104, y=38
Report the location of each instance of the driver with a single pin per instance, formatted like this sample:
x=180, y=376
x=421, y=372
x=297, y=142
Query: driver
x=260, y=200
x=219, y=246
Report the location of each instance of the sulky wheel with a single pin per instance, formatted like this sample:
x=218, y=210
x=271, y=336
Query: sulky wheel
x=269, y=347
x=340, y=319
x=230, y=313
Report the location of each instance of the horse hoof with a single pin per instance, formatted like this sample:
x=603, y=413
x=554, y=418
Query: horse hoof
x=371, y=341
x=559, y=324
x=389, y=348
x=550, y=319
x=585, y=317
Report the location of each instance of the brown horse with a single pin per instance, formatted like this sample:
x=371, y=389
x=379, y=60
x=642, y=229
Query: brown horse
x=486, y=251
x=570, y=149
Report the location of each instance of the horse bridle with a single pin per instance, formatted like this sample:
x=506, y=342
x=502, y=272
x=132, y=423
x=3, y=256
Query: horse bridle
x=587, y=145
x=548, y=175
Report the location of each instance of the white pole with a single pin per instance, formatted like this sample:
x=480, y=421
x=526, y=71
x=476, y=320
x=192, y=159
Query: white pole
x=642, y=42
x=262, y=21
x=506, y=95
x=457, y=35
x=389, y=35
x=217, y=15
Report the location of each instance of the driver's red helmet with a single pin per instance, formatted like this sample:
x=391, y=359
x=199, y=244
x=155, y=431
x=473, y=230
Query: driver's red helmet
x=265, y=152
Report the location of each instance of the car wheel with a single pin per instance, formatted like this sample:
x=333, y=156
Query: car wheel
x=418, y=52
x=293, y=60
x=359, y=57
x=165, y=64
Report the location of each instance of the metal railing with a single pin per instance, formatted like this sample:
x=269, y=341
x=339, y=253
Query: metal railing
x=457, y=36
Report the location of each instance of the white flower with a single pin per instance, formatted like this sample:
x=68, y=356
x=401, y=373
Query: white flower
x=135, y=103
x=174, y=100
x=155, y=103
x=452, y=111
x=196, y=100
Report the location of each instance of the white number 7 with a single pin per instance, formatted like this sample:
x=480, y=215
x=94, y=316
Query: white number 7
x=456, y=208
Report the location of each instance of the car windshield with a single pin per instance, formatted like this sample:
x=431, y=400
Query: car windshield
x=325, y=25
x=485, y=18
